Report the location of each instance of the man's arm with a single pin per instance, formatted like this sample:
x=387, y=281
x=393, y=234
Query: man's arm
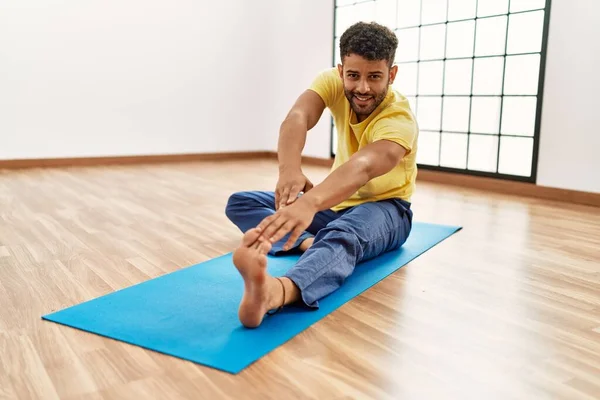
x=303, y=116
x=372, y=161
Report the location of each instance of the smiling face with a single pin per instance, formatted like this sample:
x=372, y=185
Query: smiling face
x=366, y=83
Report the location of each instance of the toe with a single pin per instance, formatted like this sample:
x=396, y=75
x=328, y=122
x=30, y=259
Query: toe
x=250, y=237
x=264, y=247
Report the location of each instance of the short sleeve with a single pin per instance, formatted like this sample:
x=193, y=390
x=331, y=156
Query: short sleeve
x=329, y=86
x=399, y=127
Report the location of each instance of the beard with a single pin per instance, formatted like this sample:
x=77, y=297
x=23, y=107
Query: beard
x=361, y=108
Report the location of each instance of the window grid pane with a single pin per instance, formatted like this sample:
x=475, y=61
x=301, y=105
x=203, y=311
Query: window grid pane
x=471, y=72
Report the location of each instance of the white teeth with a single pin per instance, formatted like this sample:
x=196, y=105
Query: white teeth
x=362, y=98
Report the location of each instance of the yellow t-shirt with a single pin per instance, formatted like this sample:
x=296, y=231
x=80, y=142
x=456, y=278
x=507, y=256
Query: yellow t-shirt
x=392, y=120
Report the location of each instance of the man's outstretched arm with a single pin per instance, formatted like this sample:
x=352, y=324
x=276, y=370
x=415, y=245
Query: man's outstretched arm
x=303, y=116
x=374, y=160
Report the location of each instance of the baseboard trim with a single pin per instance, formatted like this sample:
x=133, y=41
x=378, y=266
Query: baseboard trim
x=509, y=187
x=441, y=177
x=319, y=162
x=128, y=160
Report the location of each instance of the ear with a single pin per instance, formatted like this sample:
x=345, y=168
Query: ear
x=393, y=72
x=341, y=70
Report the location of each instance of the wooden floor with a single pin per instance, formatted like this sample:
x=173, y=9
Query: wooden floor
x=508, y=308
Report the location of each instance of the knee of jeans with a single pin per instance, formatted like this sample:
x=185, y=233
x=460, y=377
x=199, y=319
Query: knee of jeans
x=342, y=226
x=234, y=202
x=334, y=235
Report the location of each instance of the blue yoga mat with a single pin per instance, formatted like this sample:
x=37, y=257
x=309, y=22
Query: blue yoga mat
x=192, y=313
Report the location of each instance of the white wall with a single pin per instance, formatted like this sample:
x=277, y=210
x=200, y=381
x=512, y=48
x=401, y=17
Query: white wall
x=128, y=77
x=302, y=38
x=570, y=135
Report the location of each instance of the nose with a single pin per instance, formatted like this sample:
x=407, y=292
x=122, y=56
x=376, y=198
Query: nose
x=363, y=87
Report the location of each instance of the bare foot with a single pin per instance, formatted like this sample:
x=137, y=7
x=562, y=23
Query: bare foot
x=251, y=261
x=306, y=244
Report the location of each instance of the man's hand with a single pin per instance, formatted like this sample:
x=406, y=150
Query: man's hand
x=288, y=187
x=295, y=218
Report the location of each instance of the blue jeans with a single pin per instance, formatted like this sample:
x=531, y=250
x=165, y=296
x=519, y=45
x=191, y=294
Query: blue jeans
x=341, y=239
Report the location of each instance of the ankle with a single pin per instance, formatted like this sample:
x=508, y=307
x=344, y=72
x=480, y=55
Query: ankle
x=282, y=291
x=276, y=293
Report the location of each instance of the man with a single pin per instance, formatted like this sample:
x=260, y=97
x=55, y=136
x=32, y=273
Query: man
x=360, y=210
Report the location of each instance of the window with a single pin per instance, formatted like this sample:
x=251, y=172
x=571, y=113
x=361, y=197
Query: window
x=473, y=73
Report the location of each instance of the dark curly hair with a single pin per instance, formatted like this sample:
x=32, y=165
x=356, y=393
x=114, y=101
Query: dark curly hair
x=369, y=40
